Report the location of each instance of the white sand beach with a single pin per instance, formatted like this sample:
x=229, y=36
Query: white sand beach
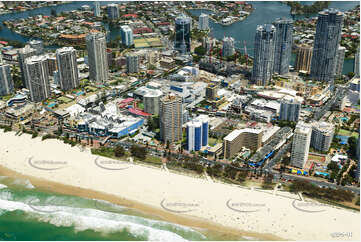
x=259, y=212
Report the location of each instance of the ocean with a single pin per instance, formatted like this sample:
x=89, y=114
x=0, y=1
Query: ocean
x=32, y=214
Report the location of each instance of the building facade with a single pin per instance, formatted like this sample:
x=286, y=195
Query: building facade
x=6, y=81
x=283, y=45
x=151, y=101
x=182, y=40
x=327, y=39
x=113, y=11
x=67, y=68
x=339, y=60
x=203, y=22
x=171, y=118
x=234, y=141
x=37, y=75
x=97, y=12
x=228, y=47
x=24, y=53
x=290, y=110
x=303, y=59
x=132, y=63
x=322, y=135
x=264, y=48
x=97, y=56
x=197, y=133
x=301, y=144
x=38, y=45
x=127, y=35
x=356, y=68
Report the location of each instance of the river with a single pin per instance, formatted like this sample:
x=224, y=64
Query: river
x=265, y=12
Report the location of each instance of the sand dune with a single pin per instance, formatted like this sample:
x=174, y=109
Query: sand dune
x=260, y=212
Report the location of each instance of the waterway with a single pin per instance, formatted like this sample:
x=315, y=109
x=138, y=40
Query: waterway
x=265, y=12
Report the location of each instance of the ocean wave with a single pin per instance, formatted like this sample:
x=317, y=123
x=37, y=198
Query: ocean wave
x=2, y=186
x=18, y=182
x=86, y=218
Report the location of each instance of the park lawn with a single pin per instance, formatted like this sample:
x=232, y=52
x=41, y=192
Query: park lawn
x=344, y=132
x=315, y=158
x=64, y=99
x=153, y=159
x=212, y=141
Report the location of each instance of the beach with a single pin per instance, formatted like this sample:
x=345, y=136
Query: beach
x=194, y=202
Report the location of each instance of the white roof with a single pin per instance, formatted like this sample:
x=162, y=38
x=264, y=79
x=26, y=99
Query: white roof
x=235, y=133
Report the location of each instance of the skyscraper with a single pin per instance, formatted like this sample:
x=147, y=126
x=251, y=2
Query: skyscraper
x=132, y=63
x=67, y=68
x=38, y=45
x=203, y=22
x=182, y=41
x=264, y=48
x=127, y=35
x=113, y=11
x=327, y=39
x=171, y=118
x=37, y=75
x=356, y=68
x=283, y=45
x=290, y=110
x=303, y=58
x=6, y=81
x=301, y=144
x=322, y=135
x=97, y=12
x=197, y=133
x=228, y=47
x=24, y=53
x=97, y=56
x=339, y=60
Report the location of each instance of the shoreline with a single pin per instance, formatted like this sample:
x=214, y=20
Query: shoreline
x=145, y=189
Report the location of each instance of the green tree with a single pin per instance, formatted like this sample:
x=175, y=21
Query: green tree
x=119, y=151
x=200, y=50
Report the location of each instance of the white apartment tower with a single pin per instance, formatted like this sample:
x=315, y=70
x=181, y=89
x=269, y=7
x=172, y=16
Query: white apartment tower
x=301, y=144
x=67, y=68
x=97, y=56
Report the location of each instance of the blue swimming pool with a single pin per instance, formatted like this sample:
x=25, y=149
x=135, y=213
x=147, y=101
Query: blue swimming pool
x=343, y=139
x=51, y=105
x=80, y=93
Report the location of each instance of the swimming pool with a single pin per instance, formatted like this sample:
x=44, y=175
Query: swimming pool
x=344, y=119
x=80, y=93
x=343, y=139
x=51, y=105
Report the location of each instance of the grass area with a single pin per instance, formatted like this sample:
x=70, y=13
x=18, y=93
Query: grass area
x=344, y=132
x=153, y=159
x=212, y=141
x=7, y=97
x=316, y=158
x=64, y=99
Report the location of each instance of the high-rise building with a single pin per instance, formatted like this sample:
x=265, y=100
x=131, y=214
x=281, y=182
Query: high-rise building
x=127, y=35
x=197, y=133
x=303, y=59
x=97, y=12
x=322, y=135
x=38, y=45
x=24, y=53
x=356, y=68
x=97, y=56
x=290, y=110
x=67, y=68
x=132, y=63
x=339, y=60
x=113, y=11
x=211, y=91
x=325, y=46
x=151, y=101
x=234, y=141
x=203, y=22
x=264, y=48
x=51, y=57
x=36, y=71
x=228, y=47
x=182, y=40
x=6, y=81
x=283, y=45
x=301, y=144
x=171, y=118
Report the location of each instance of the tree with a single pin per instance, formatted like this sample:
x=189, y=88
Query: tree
x=138, y=151
x=350, y=74
x=200, y=50
x=119, y=151
x=352, y=142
